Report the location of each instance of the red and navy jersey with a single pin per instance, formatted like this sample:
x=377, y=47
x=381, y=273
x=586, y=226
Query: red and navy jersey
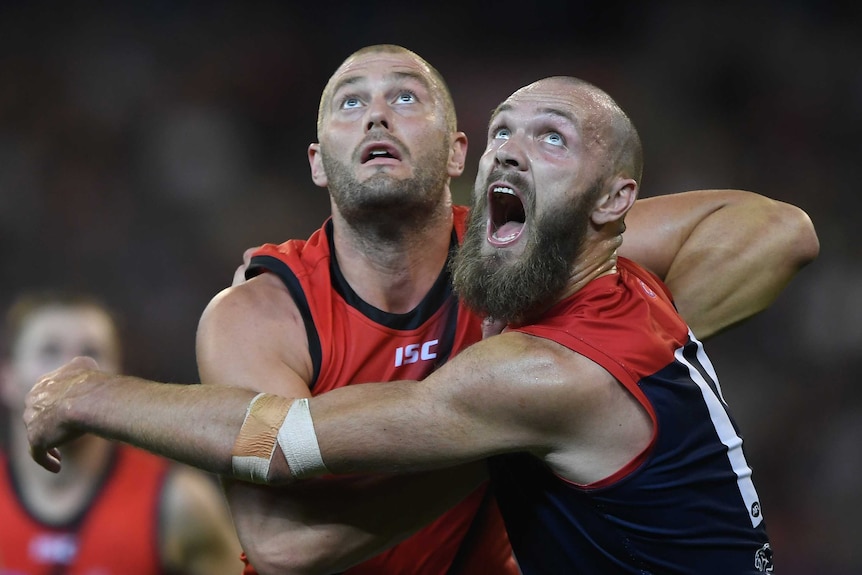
x=687, y=504
x=117, y=533
x=352, y=342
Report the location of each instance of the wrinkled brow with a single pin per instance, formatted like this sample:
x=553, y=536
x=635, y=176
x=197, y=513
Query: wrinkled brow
x=391, y=77
x=564, y=114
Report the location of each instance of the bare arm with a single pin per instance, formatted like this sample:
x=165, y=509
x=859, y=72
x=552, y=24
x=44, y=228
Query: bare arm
x=198, y=537
x=512, y=392
x=724, y=254
x=245, y=345
x=255, y=338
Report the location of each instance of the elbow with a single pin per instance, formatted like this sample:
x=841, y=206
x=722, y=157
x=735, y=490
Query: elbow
x=293, y=561
x=294, y=551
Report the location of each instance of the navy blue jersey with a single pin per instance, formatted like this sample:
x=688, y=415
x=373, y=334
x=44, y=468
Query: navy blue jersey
x=687, y=503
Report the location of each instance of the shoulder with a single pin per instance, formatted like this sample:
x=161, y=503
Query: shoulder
x=249, y=330
x=190, y=494
x=258, y=304
x=197, y=528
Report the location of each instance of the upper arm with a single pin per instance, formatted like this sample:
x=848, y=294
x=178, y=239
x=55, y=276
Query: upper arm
x=724, y=254
x=511, y=392
x=197, y=536
x=252, y=336
x=657, y=227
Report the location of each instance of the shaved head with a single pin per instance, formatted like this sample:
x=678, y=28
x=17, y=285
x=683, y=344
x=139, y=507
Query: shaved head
x=430, y=76
x=607, y=132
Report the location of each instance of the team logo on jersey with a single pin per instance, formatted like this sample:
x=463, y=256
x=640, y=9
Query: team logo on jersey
x=58, y=548
x=763, y=559
x=755, y=509
x=415, y=351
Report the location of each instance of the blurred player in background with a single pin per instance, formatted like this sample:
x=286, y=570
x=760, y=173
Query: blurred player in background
x=113, y=510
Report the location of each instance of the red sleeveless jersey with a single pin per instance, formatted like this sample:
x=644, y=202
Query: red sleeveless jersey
x=116, y=533
x=353, y=342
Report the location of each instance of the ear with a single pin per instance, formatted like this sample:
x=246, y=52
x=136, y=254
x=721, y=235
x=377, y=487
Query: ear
x=315, y=160
x=457, y=154
x=614, y=204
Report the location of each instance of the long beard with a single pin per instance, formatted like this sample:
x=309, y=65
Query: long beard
x=515, y=290
x=385, y=204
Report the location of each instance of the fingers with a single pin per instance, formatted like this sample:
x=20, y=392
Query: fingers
x=246, y=255
x=78, y=363
x=491, y=326
x=239, y=273
x=44, y=411
x=48, y=458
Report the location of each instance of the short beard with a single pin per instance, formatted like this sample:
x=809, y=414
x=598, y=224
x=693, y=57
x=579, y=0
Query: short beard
x=384, y=206
x=517, y=291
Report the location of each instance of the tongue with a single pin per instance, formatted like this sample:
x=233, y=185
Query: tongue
x=509, y=229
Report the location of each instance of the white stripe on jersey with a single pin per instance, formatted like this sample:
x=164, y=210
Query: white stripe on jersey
x=724, y=428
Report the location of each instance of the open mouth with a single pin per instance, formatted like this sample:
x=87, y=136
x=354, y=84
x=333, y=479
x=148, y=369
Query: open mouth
x=378, y=151
x=507, y=215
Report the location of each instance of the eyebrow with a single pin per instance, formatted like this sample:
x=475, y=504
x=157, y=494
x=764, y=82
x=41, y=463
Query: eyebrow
x=391, y=76
x=544, y=111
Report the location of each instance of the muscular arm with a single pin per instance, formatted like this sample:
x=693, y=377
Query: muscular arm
x=242, y=350
x=724, y=254
x=513, y=392
x=253, y=337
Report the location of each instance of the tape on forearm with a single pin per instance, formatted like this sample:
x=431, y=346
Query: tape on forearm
x=298, y=442
x=255, y=444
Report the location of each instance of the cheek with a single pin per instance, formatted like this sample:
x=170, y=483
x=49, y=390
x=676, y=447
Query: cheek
x=30, y=369
x=16, y=383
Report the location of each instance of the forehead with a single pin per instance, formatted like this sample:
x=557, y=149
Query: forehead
x=552, y=98
x=66, y=322
x=383, y=66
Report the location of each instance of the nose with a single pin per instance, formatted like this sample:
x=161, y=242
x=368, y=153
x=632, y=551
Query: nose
x=378, y=115
x=511, y=154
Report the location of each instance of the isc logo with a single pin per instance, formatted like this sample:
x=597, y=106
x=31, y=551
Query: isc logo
x=414, y=352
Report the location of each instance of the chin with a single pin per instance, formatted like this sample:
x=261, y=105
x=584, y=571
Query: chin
x=504, y=253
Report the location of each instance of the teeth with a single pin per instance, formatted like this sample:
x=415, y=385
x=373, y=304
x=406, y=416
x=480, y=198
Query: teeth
x=502, y=190
x=378, y=152
x=508, y=238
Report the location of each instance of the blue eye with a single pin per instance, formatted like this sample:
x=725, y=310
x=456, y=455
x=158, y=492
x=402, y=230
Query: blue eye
x=554, y=139
x=502, y=134
x=406, y=98
x=351, y=103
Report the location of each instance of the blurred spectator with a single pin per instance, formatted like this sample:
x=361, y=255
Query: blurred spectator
x=112, y=508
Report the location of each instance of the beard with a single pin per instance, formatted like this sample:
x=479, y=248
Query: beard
x=386, y=203
x=517, y=289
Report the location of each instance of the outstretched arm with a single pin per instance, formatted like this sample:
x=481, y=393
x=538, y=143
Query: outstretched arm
x=459, y=415
x=724, y=254
x=312, y=528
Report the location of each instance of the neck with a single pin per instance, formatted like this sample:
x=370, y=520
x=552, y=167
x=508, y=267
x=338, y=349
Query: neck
x=390, y=267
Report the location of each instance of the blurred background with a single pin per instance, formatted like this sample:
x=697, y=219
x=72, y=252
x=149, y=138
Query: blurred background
x=144, y=146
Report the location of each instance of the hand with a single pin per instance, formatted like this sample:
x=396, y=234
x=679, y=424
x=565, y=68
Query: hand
x=491, y=326
x=239, y=274
x=47, y=407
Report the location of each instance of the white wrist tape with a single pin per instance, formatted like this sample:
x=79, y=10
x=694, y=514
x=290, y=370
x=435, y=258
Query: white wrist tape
x=298, y=441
